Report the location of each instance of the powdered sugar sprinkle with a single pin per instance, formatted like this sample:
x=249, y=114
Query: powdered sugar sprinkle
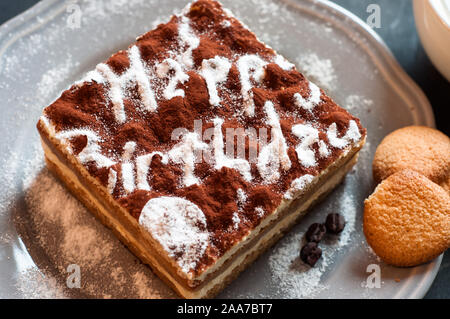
x=180, y=227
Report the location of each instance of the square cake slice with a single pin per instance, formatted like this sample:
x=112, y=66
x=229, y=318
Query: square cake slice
x=199, y=146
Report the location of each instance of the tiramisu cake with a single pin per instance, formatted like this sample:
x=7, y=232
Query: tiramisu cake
x=199, y=146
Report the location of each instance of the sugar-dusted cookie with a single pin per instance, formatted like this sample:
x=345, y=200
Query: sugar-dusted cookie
x=419, y=148
x=407, y=219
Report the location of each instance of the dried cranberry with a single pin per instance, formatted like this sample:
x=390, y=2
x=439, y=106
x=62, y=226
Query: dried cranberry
x=335, y=223
x=310, y=253
x=315, y=232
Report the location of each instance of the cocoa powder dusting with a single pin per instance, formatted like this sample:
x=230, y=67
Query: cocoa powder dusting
x=88, y=106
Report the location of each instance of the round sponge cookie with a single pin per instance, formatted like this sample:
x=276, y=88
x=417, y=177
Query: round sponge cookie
x=407, y=219
x=446, y=185
x=419, y=148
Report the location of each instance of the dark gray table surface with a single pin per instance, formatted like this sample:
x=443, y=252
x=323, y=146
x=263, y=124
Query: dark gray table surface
x=399, y=32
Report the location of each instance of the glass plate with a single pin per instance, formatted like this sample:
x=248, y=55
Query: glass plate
x=43, y=229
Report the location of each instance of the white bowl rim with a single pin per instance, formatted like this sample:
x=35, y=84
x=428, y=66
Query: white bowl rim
x=442, y=9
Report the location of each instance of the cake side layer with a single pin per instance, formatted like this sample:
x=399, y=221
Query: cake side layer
x=234, y=267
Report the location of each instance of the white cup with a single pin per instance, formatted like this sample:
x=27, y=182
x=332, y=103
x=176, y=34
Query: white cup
x=433, y=25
